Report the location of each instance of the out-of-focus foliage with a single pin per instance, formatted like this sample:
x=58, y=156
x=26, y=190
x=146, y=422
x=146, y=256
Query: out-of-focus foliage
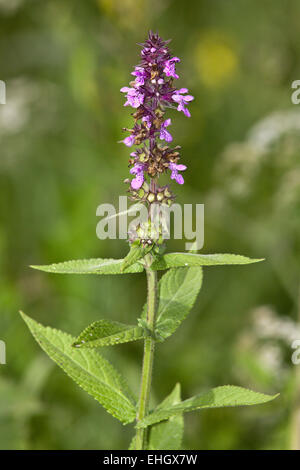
x=63, y=64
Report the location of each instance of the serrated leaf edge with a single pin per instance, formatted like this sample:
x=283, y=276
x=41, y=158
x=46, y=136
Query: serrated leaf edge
x=129, y=400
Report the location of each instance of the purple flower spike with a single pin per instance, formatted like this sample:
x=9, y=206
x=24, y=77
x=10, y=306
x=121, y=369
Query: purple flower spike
x=174, y=172
x=169, y=67
x=137, y=170
x=129, y=141
x=182, y=100
x=134, y=97
x=152, y=93
x=164, y=134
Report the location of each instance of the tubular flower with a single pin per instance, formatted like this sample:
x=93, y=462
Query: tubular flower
x=164, y=134
x=182, y=100
x=169, y=68
x=150, y=93
x=175, y=175
x=138, y=171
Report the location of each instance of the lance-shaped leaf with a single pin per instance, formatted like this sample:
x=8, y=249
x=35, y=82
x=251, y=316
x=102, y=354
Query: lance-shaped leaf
x=167, y=435
x=219, y=397
x=88, y=369
x=136, y=253
x=91, y=266
x=178, y=290
x=106, y=333
x=176, y=260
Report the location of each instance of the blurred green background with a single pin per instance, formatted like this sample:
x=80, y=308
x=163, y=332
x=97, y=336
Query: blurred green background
x=63, y=63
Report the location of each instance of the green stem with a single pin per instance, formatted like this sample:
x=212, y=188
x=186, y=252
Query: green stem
x=149, y=343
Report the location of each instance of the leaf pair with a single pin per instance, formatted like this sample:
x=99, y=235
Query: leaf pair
x=97, y=377
x=132, y=263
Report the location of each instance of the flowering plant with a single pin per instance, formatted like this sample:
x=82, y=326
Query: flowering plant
x=151, y=94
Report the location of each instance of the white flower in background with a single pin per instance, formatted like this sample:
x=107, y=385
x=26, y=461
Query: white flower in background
x=267, y=324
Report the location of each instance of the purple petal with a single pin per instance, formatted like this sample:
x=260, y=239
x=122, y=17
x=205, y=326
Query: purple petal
x=125, y=89
x=137, y=182
x=181, y=167
x=138, y=168
x=129, y=141
x=177, y=98
x=180, y=107
x=168, y=137
x=189, y=98
x=165, y=135
x=179, y=179
x=186, y=112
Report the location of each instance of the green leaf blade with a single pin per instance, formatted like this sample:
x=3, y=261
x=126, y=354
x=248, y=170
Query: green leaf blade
x=91, y=266
x=178, y=290
x=88, y=369
x=167, y=435
x=219, y=397
x=176, y=260
x=107, y=333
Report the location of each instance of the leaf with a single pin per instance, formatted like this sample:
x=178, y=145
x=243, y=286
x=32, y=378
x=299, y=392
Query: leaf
x=91, y=266
x=219, y=397
x=178, y=290
x=88, y=369
x=106, y=333
x=136, y=253
x=176, y=260
x=132, y=443
x=167, y=435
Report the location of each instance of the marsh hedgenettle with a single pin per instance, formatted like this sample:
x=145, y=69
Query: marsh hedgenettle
x=152, y=95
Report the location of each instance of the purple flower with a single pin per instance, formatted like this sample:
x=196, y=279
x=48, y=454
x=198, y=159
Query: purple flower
x=129, y=141
x=140, y=74
x=164, y=134
x=169, y=67
x=174, y=172
x=137, y=170
x=182, y=100
x=147, y=119
x=134, y=97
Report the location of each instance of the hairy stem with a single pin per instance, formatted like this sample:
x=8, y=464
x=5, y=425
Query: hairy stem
x=149, y=344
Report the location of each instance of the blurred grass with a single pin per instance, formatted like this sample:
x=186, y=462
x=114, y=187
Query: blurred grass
x=64, y=63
